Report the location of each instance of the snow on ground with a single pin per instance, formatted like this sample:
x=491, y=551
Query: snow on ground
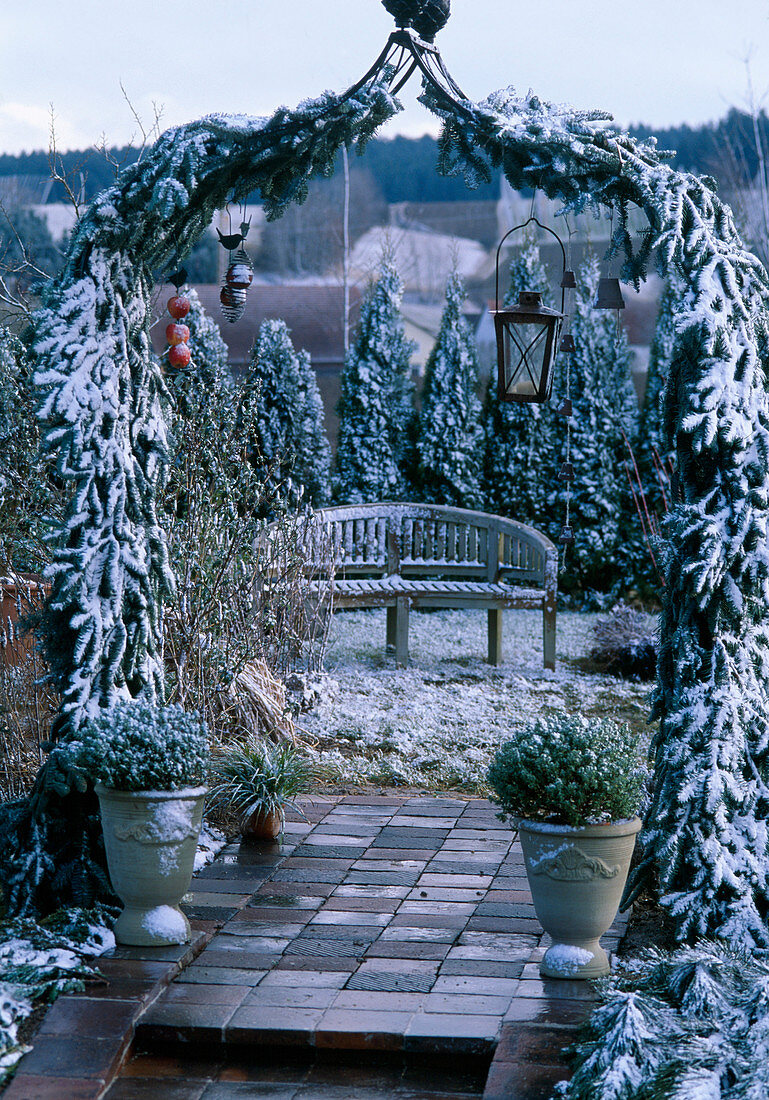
x=437, y=723
x=37, y=963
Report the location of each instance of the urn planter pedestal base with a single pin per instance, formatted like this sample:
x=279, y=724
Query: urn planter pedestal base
x=151, y=838
x=577, y=876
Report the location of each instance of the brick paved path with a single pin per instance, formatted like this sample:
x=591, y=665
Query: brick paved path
x=379, y=930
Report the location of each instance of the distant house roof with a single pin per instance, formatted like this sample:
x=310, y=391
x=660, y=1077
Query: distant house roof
x=423, y=259
x=314, y=315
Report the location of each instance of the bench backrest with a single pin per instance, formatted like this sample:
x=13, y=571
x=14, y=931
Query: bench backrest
x=431, y=539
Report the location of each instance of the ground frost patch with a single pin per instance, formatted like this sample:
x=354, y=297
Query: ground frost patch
x=437, y=723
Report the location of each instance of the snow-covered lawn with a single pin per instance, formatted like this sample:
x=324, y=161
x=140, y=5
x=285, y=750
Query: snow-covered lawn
x=437, y=723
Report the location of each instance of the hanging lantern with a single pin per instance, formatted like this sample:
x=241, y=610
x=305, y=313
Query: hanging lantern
x=526, y=342
x=527, y=338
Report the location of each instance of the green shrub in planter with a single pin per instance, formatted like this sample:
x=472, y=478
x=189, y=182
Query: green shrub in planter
x=568, y=771
x=136, y=746
x=147, y=763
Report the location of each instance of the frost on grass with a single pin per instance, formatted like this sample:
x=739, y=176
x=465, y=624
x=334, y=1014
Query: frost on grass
x=38, y=963
x=437, y=723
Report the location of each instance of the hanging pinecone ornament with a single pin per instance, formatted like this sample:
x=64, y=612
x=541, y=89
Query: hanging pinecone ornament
x=433, y=17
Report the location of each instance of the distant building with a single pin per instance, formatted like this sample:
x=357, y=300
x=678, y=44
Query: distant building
x=424, y=259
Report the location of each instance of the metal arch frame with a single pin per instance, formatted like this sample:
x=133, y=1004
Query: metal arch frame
x=404, y=53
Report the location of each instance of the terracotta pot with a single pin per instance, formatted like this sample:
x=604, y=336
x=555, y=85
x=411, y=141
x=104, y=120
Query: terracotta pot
x=151, y=838
x=262, y=825
x=577, y=876
x=20, y=595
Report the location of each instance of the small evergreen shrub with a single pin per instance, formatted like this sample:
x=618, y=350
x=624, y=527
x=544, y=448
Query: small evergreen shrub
x=568, y=771
x=135, y=746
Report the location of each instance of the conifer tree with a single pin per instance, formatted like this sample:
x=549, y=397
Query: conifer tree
x=605, y=411
x=450, y=434
x=517, y=467
x=285, y=406
x=376, y=405
x=29, y=502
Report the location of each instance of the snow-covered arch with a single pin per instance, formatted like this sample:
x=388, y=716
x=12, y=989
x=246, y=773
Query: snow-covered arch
x=101, y=405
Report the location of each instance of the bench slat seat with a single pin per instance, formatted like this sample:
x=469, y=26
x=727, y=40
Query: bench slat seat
x=404, y=555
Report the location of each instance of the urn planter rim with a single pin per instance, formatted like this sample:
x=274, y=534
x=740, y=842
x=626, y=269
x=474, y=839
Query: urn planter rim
x=180, y=792
x=623, y=827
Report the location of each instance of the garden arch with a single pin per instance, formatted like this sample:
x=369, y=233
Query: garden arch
x=706, y=834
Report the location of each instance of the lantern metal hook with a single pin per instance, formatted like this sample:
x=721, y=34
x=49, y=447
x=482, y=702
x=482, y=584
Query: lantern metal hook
x=523, y=225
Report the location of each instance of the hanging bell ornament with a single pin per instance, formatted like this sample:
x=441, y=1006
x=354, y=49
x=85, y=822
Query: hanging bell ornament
x=568, y=280
x=566, y=408
x=609, y=295
x=567, y=535
x=233, y=301
x=240, y=273
x=567, y=343
x=566, y=472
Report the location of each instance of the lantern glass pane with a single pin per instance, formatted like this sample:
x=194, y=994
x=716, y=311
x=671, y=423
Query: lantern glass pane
x=525, y=350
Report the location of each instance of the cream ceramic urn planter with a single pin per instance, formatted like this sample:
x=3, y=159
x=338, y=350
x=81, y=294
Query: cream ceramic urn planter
x=577, y=876
x=151, y=838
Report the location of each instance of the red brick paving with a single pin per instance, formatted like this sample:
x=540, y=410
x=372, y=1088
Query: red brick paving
x=378, y=928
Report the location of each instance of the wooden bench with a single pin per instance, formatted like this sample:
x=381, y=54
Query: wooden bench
x=401, y=556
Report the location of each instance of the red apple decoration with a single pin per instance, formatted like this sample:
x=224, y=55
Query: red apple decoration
x=177, y=334
x=179, y=306
x=179, y=355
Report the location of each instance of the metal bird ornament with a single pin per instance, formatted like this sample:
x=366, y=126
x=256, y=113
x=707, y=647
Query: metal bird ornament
x=229, y=241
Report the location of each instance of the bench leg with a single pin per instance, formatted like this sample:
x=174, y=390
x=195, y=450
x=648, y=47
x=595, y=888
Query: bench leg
x=392, y=618
x=548, y=635
x=495, y=636
x=401, y=610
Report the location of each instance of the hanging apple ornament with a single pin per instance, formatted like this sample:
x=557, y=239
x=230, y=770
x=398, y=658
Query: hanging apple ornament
x=177, y=334
x=239, y=276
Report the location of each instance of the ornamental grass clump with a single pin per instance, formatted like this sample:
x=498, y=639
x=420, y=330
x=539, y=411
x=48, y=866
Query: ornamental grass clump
x=568, y=771
x=135, y=746
x=257, y=777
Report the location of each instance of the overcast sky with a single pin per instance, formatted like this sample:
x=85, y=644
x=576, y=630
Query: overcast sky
x=658, y=61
